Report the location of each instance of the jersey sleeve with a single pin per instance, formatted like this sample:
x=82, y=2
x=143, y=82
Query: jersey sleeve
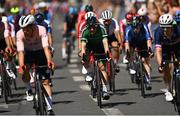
x=147, y=33
x=127, y=35
x=84, y=36
x=157, y=37
x=19, y=42
x=116, y=24
x=104, y=32
x=44, y=37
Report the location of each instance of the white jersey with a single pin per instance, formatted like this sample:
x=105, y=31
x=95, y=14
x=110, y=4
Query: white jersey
x=114, y=26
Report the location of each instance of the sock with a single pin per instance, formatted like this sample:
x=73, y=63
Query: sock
x=104, y=88
x=49, y=102
x=63, y=52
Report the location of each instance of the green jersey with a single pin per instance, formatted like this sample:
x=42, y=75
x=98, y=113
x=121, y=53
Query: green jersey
x=94, y=39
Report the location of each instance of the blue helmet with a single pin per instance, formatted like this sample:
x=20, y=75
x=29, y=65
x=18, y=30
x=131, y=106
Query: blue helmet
x=177, y=16
x=72, y=10
x=39, y=17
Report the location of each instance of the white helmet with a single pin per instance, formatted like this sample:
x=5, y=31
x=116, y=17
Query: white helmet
x=106, y=15
x=166, y=20
x=142, y=11
x=2, y=10
x=89, y=14
x=42, y=4
x=26, y=20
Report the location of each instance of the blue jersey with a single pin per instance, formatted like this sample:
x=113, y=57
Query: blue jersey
x=161, y=39
x=137, y=39
x=46, y=24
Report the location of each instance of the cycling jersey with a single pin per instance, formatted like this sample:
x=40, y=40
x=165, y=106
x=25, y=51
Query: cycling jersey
x=112, y=27
x=168, y=45
x=38, y=41
x=71, y=23
x=47, y=25
x=160, y=39
x=94, y=40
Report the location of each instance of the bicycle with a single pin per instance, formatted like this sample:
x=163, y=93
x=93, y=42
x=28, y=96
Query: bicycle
x=140, y=77
x=40, y=92
x=5, y=80
x=96, y=84
x=175, y=81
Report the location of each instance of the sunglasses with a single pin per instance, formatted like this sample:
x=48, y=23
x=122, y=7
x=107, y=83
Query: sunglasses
x=107, y=22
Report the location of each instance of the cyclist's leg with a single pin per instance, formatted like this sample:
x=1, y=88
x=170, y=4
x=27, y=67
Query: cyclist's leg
x=64, y=55
x=115, y=54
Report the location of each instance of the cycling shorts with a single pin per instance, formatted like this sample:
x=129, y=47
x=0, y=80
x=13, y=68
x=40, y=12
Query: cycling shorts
x=2, y=44
x=38, y=58
x=112, y=38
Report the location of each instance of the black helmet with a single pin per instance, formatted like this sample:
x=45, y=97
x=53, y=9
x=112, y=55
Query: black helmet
x=39, y=17
x=136, y=21
x=88, y=8
x=90, y=19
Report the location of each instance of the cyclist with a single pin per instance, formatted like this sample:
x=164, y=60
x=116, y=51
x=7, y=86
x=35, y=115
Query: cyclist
x=167, y=40
x=41, y=21
x=124, y=25
x=137, y=37
x=177, y=18
x=70, y=21
x=112, y=28
x=94, y=38
x=32, y=47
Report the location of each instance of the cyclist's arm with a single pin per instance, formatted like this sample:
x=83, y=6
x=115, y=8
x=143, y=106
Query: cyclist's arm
x=127, y=36
x=6, y=36
x=148, y=37
x=157, y=37
x=106, y=46
x=117, y=33
x=20, y=47
x=45, y=44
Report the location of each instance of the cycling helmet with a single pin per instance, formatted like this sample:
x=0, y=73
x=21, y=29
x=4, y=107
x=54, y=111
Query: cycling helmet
x=166, y=20
x=72, y=10
x=177, y=16
x=2, y=10
x=26, y=20
x=106, y=15
x=135, y=21
x=90, y=19
x=15, y=10
x=129, y=17
x=89, y=14
x=142, y=11
x=39, y=17
x=42, y=5
x=88, y=8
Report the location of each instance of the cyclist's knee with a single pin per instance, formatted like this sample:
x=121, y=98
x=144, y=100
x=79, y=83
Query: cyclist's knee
x=46, y=82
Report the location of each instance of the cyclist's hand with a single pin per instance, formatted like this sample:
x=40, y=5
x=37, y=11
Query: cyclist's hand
x=109, y=56
x=84, y=58
x=80, y=53
x=151, y=54
x=21, y=69
x=8, y=50
x=51, y=65
x=160, y=69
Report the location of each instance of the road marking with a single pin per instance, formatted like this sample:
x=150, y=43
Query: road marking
x=74, y=56
x=85, y=87
x=122, y=65
x=74, y=60
x=72, y=65
x=3, y=106
x=112, y=111
x=78, y=78
x=73, y=71
x=95, y=99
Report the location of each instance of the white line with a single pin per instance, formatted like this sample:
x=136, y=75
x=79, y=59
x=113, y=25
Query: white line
x=85, y=87
x=78, y=78
x=73, y=71
x=112, y=111
x=122, y=65
x=74, y=60
x=72, y=65
x=74, y=56
x=3, y=106
x=108, y=111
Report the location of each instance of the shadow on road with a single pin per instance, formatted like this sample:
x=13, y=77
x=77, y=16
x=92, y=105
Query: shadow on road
x=108, y=105
x=62, y=102
x=3, y=111
x=60, y=92
x=58, y=77
x=151, y=95
x=126, y=89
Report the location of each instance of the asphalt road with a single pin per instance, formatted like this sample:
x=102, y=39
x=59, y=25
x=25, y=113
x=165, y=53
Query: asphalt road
x=71, y=95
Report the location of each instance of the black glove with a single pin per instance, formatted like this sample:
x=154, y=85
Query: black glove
x=150, y=52
x=84, y=58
